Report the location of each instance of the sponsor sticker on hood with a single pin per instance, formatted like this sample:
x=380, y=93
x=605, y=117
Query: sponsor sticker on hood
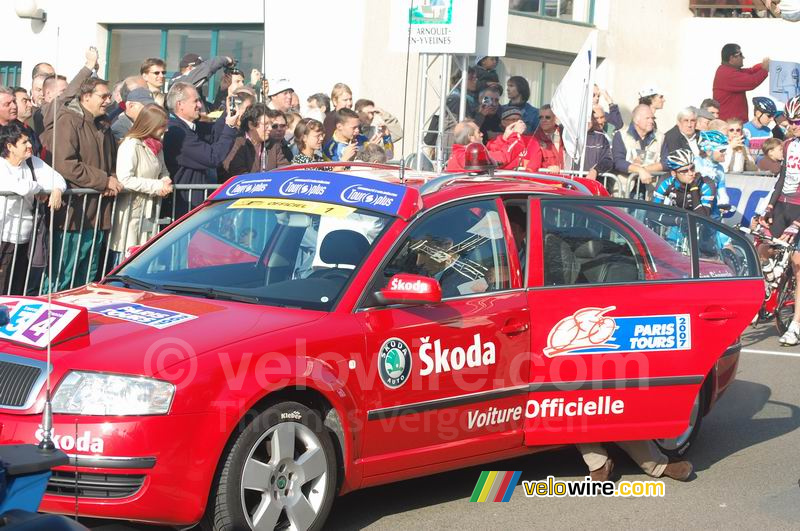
x=146, y=315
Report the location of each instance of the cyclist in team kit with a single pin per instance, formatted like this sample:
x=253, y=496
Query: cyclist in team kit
x=782, y=216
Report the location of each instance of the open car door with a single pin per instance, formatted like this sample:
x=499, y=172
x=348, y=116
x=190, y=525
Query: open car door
x=631, y=305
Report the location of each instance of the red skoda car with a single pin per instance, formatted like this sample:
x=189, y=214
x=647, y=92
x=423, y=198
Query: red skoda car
x=304, y=333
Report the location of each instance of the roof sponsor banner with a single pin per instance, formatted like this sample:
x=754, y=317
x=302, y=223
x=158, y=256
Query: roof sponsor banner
x=319, y=186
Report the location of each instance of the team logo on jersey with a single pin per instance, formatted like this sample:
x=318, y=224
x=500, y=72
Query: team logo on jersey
x=394, y=362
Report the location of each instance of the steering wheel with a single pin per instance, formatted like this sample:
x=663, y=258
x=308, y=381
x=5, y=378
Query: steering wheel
x=331, y=274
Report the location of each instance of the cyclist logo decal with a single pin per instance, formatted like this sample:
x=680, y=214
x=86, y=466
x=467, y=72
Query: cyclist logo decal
x=592, y=331
x=586, y=328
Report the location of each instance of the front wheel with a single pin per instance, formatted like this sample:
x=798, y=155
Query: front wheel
x=280, y=473
x=676, y=447
x=784, y=309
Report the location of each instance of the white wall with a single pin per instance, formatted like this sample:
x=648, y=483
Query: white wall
x=316, y=43
x=74, y=25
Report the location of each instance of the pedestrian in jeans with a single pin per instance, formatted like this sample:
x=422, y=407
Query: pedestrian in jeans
x=27, y=178
x=144, y=176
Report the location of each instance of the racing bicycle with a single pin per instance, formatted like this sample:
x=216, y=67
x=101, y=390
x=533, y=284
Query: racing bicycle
x=778, y=276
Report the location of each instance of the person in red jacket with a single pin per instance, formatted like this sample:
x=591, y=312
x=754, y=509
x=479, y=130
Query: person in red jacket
x=467, y=132
x=546, y=149
x=512, y=141
x=731, y=83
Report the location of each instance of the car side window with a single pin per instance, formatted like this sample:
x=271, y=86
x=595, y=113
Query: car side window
x=722, y=254
x=462, y=246
x=583, y=245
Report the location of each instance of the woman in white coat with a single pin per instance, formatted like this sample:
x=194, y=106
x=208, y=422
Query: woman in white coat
x=23, y=179
x=144, y=176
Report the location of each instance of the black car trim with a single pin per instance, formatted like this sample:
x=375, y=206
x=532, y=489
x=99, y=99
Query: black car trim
x=100, y=461
x=736, y=348
x=454, y=401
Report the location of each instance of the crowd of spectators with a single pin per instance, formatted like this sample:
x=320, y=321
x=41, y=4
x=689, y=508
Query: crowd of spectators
x=139, y=138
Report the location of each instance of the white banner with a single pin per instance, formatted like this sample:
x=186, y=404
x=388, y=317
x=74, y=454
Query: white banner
x=434, y=26
x=750, y=194
x=572, y=101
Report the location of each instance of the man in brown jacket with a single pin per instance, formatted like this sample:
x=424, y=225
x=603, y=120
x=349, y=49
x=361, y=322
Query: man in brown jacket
x=48, y=109
x=84, y=152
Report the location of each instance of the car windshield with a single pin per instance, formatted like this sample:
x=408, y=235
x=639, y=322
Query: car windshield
x=294, y=254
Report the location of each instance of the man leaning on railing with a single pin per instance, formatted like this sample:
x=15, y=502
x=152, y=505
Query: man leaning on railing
x=637, y=154
x=84, y=152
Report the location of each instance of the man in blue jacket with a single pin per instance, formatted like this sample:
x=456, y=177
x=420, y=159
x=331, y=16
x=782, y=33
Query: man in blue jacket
x=189, y=151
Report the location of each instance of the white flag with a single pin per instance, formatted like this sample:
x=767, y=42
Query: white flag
x=572, y=101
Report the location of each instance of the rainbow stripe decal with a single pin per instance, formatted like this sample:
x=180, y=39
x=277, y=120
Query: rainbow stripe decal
x=494, y=486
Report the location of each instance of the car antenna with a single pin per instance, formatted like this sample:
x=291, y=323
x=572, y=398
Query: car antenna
x=405, y=98
x=46, y=444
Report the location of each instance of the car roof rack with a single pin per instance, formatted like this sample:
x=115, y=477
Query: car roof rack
x=434, y=185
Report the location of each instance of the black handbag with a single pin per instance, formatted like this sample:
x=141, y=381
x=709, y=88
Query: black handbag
x=41, y=234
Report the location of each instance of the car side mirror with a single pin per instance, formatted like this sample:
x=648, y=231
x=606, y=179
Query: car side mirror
x=410, y=289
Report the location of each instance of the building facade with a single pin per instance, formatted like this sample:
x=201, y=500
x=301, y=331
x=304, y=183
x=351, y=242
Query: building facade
x=316, y=43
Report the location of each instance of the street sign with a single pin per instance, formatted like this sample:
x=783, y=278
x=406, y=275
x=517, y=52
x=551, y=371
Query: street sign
x=434, y=26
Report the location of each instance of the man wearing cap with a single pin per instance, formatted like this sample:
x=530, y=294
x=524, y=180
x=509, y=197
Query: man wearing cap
x=511, y=142
x=731, y=82
x=197, y=71
x=280, y=95
x=704, y=118
x=683, y=135
x=134, y=102
x=651, y=96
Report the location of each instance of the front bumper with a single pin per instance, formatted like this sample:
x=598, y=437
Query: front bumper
x=150, y=469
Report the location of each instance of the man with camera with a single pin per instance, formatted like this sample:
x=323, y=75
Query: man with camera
x=197, y=71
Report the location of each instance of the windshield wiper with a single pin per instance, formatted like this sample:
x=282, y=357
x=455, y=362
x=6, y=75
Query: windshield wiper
x=130, y=282
x=212, y=293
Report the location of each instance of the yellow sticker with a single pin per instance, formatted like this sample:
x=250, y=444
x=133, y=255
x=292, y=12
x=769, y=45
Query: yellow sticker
x=307, y=207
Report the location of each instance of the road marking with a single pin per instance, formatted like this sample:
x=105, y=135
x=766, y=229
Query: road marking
x=772, y=353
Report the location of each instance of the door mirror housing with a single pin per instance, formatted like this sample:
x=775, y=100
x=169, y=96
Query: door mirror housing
x=410, y=289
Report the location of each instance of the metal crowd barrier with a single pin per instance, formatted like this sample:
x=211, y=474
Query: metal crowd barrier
x=97, y=257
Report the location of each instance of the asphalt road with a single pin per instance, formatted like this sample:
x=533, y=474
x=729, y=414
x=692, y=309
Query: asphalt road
x=744, y=459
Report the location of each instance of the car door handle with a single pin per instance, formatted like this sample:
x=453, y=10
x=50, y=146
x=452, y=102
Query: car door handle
x=512, y=328
x=717, y=314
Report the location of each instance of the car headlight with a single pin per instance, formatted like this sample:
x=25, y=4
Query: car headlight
x=92, y=393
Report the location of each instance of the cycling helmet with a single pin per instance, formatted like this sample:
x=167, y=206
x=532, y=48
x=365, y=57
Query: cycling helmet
x=712, y=140
x=792, y=108
x=765, y=105
x=680, y=158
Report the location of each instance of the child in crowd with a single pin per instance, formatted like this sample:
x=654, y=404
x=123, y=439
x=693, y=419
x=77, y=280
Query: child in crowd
x=772, y=159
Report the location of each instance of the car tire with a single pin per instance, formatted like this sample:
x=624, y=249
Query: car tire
x=677, y=447
x=281, y=467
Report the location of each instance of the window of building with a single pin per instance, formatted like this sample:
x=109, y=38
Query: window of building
x=543, y=69
x=573, y=10
x=128, y=46
x=10, y=74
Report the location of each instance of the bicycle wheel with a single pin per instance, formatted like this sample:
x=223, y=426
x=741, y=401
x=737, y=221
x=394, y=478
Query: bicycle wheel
x=784, y=310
